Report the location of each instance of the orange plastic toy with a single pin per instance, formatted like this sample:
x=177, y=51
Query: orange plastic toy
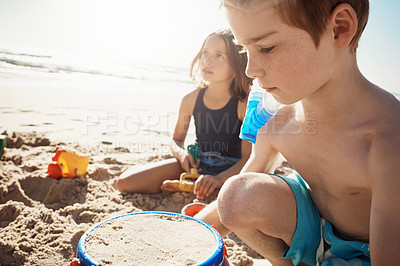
x=68, y=163
x=193, y=208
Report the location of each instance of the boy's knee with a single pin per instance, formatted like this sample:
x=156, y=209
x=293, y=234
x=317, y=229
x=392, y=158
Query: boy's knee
x=250, y=197
x=235, y=199
x=234, y=184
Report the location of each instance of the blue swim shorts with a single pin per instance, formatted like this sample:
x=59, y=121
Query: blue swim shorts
x=308, y=246
x=213, y=163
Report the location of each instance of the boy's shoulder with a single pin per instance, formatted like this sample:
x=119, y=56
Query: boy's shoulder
x=389, y=117
x=384, y=156
x=384, y=132
x=386, y=111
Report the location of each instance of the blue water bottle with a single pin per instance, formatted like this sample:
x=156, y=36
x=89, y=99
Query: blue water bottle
x=261, y=107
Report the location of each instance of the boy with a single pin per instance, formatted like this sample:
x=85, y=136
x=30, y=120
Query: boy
x=345, y=143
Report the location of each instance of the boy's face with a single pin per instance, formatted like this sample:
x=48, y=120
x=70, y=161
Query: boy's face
x=284, y=59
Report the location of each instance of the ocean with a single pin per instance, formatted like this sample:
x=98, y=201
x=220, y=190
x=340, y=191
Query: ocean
x=68, y=97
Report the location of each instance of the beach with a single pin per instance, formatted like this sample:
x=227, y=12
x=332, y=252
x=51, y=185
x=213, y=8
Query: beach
x=42, y=219
x=106, y=79
x=118, y=121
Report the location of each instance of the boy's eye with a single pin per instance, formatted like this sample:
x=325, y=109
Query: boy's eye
x=267, y=50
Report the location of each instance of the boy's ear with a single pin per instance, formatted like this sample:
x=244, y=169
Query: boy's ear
x=344, y=24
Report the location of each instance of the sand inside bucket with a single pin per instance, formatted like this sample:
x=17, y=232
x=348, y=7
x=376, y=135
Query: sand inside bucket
x=150, y=239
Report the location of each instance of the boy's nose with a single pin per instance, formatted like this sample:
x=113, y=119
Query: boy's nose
x=254, y=68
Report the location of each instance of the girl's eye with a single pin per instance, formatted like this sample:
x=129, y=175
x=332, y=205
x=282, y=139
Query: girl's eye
x=267, y=50
x=220, y=56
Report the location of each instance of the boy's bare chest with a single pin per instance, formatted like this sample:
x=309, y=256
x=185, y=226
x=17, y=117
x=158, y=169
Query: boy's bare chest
x=338, y=161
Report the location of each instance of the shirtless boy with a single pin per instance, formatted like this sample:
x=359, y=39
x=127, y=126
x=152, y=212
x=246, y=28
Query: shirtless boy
x=345, y=142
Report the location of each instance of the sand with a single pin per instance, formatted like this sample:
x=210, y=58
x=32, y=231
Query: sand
x=150, y=239
x=42, y=219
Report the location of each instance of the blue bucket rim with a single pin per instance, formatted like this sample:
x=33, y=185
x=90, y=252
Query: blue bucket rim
x=217, y=256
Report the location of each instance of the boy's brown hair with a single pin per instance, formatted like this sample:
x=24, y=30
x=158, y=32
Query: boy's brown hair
x=241, y=83
x=312, y=16
x=309, y=15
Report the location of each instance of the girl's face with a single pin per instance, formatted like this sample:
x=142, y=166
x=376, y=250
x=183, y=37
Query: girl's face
x=214, y=61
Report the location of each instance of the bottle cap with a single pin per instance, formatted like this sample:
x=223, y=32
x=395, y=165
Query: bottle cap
x=54, y=170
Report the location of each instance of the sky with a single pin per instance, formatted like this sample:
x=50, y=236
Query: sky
x=166, y=32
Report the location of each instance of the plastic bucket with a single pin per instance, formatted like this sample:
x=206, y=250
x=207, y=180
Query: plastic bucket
x=215, y=259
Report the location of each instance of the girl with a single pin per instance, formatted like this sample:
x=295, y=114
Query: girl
x=218, y=106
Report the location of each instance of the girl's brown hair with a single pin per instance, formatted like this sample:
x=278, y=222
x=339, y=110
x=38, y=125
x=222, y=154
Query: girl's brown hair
x=240, y=85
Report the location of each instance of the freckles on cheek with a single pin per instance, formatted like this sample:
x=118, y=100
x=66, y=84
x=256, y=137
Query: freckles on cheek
x=301, y=64
x=289, y=67
x=302, y=53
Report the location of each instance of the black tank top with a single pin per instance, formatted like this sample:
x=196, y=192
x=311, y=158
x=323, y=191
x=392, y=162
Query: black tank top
x=218, y=130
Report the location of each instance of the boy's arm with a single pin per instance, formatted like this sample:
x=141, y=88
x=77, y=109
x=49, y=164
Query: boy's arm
x=385, y=205
x=263, y=155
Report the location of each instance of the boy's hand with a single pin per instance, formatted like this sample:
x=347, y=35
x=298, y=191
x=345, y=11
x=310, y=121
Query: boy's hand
x=205, y=185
